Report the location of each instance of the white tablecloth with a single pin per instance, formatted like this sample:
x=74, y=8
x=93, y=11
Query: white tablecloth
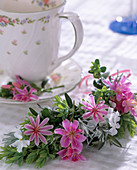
x=114, y=50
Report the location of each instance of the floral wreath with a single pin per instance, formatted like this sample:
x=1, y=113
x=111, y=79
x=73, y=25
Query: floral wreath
x=63, y=129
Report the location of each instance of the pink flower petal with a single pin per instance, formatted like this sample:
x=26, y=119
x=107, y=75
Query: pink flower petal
x=95, y=117
x=28, y=132
x=79, y=131
x=92, y=100
x=81, y=157
x=44, y=122
x=32, y=121
x=60, y=131
x=74, y=125
x=76, y=145
x=42, y=138
x=87, y=115
x=89, y=106
x=75, y=157
x=103, y=112
x=37, y=121
x=62, y=153
x=36, y=140
x=46, y=127
x=65, y=141
x=80, y=138
x=66, y=125
x=29, y=127
x=100, y=117
x=45, y=132
x=32, y=136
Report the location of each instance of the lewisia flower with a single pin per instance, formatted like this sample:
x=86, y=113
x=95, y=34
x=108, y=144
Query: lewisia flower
x=129, y=104
x=94, y=110
x=71, y=135
x=72, y=154
x=120, y=87
x=25, y=95
x=19, y=82
x=20, y=143
x=37, y=130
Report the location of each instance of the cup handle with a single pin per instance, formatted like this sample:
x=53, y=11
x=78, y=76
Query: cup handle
x=77, y=25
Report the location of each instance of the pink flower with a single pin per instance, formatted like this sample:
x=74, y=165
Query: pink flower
x=119, y=87
x=8, y=87
x=24, y=95
x=38, y=130
x=72, y=154
x=19, y=82
x=46, y=2
x=4, y=19
x=71, y=135
x=129, y=104
x=95, y=110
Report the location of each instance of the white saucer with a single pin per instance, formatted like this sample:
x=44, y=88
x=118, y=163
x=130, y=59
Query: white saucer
x=67, y=74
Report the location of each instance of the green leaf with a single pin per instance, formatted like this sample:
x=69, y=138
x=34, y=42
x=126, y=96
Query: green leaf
x=45, y=112
x=31, y=157
x=105, y=75
x=103, y=69
x=44, y=82
x=97, y=61
x=33, y=112
x=69, y=101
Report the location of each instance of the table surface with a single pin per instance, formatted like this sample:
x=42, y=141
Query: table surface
x=114, y=50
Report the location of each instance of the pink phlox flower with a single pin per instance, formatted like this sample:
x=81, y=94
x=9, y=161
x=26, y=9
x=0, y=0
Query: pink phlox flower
x=37, y=130
x=24, y=95
x=120, y=87
x=71, y=135
x=129, y=104
x=95, y=110
x=72, y=154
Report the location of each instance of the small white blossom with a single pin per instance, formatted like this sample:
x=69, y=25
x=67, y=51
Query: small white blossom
x=114, y=118
x=112, y=104
x=20, y=143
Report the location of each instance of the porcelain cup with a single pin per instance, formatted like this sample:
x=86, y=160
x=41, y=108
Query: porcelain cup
x=30, y=37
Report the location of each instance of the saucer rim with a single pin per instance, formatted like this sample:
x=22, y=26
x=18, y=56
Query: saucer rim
x=14, y=102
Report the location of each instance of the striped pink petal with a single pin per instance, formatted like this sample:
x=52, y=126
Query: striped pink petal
x=32, y=121
x=46, y=127
x=45, y=132
x=29, y=127
x=87, y=115
x=42, y=138
x=44, y=122
x=37, y=121
x=32, y=136
x=36, y=140
x=28, y=132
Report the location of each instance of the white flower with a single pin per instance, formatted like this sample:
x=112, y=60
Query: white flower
x=20, y=143
x=112, y=104
x=113, y=119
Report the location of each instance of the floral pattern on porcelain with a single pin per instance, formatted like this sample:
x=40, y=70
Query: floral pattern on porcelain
x=45, y=3
x=1, y=32
x=5, y=21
